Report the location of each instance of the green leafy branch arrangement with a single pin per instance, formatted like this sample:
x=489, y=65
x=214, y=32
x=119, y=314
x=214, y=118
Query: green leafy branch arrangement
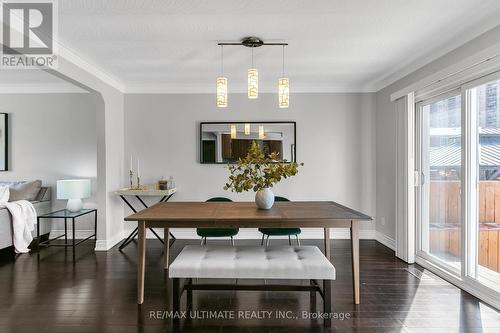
x=256, y=171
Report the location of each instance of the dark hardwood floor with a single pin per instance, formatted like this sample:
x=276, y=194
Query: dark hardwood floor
x=47, y=293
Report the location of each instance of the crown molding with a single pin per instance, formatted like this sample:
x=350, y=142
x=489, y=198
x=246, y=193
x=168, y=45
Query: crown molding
x=425, y=59
x=90, y=68
x=200, y=89
x=41, y=88
x=66, y=53
x=484, y=60
x=372, y=86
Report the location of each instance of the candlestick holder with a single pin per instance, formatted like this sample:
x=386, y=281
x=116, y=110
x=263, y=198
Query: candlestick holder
x=131, y=175
x=138, y=182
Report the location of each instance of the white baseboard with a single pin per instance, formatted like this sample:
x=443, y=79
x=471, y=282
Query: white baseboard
x=101, y=245
x=385, y=240
x=79, y=234
x=106, y=244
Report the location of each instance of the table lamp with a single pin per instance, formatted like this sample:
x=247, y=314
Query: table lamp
x=74, y=190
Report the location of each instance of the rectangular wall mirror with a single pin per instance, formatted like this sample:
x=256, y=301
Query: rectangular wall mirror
x=226, y=142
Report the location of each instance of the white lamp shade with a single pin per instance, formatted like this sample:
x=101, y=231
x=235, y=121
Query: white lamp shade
x=73, y=189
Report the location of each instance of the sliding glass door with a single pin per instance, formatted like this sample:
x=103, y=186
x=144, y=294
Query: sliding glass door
x=440, y=169
x=483, y=103
x=457, y=188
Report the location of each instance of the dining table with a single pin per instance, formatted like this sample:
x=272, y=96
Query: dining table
x=293, y=214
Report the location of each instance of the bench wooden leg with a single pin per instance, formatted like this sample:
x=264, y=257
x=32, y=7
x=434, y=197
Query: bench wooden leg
x=312, y=296
x=176, y=297
x=189, y=295
x=176, y=301
x=327, y=301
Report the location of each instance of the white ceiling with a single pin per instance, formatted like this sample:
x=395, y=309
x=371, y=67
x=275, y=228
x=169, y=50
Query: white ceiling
x=335, y=45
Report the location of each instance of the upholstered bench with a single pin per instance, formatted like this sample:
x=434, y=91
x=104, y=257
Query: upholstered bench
x=252, y=262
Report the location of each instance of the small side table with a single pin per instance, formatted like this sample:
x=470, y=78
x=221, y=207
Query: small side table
x=66, y=215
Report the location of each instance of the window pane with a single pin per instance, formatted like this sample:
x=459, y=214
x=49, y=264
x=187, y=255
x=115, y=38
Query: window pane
x=441, y=168
x=485, y=100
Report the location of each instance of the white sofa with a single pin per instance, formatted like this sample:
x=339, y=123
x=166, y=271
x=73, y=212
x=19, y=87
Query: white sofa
x=42, y=204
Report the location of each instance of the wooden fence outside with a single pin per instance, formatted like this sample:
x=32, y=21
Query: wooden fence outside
x=444, y=213
x=445, y=202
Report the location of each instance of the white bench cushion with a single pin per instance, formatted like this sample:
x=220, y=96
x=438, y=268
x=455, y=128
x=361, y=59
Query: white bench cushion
x=252, y=262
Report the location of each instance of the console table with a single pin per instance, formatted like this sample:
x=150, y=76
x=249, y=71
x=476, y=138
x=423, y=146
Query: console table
x=164, y=195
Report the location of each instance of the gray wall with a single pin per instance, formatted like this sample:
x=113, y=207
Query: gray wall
x=51, y=137
x=386, y=127
x=335, y=140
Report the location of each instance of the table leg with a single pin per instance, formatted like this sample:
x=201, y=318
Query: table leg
x=38, y=233
x=142, y=201
x=73, y=239
x=355, y=259
x=129, y=239
x=141, y=261
x=327, y=244
x=166, y=247
x=154, y=233
x=65, y=231
x=128, y=204
x=95, y=229
x=165, y=199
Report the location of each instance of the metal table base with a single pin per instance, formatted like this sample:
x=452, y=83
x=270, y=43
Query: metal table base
x=134, y=233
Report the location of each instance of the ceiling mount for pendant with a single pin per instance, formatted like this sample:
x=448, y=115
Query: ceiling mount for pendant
x=252, y=42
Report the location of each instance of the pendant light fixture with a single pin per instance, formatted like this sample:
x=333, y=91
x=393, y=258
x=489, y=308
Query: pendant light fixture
x=283, y=87
x=253, y=81
x=233, y=131
x=253, y=75
x=221, y=84
x=247, y=129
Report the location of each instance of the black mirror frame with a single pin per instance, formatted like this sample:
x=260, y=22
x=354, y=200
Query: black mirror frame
x=294, y=146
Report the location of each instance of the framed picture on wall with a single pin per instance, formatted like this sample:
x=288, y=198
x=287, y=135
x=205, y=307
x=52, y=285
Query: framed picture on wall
x=4, y=138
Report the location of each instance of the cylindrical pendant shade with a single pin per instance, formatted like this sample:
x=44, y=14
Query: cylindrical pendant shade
x=262, y=134
x=221, y=92
x=283, y=92
x=73, y=189
x=253, y=83
x=233, y=131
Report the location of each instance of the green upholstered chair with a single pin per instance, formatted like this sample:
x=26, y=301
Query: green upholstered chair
x=280, y=231
x=217, y=232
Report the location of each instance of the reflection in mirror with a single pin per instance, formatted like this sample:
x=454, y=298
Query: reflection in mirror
x=227, y=142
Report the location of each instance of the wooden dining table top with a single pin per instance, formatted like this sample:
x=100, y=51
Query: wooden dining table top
x=247, y=215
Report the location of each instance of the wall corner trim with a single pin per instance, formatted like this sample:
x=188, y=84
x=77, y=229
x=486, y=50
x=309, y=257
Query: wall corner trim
x=107, y=244
x=385, y=240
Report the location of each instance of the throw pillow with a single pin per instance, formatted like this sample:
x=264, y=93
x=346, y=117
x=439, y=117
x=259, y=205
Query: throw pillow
x=25, y=191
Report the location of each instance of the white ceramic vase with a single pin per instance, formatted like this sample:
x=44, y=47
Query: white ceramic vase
x=264, y=199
